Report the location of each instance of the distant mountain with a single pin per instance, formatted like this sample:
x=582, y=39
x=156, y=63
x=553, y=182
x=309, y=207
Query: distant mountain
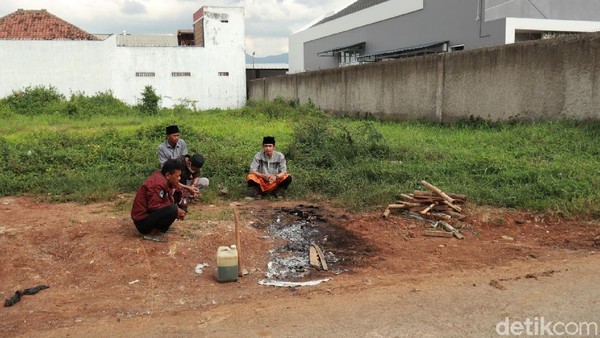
x=281, y=58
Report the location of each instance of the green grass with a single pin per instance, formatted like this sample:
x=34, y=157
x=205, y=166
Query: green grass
x=548, y=166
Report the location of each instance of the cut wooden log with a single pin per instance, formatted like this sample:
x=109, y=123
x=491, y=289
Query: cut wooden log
x=438, y=234
x=419, y=217
x=426, y=210
x=438, y=216
x=453, y=230
x=441, y=208
x=437, y=191
x=397, y=206
x=408, y=198
x=456, y=215
x=386, y=213
x=453, y=206
x=428, y=200
x=427, y=194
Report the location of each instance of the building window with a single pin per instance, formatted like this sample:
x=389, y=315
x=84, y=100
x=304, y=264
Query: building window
x=145, y=74
x=348, y=58
x=223, y=73
x=177, y=74
x=456, y=48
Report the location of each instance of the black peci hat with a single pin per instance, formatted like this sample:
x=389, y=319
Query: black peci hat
x=172, y=130
x=197, y=161
x=269, y=140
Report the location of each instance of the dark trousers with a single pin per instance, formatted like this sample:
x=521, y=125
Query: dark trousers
x=160, y=219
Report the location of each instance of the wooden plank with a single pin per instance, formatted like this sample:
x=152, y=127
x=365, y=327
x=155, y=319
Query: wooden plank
x=238, y=242
x=313, y=257
x=321, y=257
x=437, y=191
x=445, y=234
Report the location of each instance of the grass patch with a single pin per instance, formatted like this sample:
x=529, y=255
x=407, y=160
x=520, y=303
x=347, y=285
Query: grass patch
x=104, y=148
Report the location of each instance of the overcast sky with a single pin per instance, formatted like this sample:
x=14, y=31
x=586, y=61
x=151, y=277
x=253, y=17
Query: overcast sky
x=268, y=22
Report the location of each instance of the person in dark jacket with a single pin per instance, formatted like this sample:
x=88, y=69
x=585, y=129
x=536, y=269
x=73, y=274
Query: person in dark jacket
x=154, y=209
x=190, y=182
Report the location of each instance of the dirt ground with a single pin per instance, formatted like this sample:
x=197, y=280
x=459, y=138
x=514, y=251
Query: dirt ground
x=385, y=277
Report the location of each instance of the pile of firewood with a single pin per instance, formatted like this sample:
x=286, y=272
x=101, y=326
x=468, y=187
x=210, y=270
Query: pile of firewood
x=434, y=204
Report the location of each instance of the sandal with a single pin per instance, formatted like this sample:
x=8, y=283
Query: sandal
x=155, y=238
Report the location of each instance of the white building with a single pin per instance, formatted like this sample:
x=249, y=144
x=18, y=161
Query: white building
x=210, y=74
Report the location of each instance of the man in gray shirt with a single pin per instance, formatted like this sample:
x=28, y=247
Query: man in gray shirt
x=268, y=171
x=173, y=147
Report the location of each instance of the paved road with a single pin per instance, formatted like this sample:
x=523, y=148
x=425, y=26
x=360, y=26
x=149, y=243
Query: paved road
x=461, y=304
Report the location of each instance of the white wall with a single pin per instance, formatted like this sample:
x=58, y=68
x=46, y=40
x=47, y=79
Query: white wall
x=530, y=25
x=98, y=66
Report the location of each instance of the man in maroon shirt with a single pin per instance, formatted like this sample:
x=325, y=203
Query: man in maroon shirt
x=154, y=209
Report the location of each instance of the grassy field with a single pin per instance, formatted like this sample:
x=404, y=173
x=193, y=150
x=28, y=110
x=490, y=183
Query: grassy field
x=89, y=149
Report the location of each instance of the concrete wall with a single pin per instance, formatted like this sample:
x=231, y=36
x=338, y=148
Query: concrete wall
x=217, y=73
x=473, y=23
x=532, y=80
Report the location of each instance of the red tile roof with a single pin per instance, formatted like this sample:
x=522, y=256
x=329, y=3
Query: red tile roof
x=39, y=25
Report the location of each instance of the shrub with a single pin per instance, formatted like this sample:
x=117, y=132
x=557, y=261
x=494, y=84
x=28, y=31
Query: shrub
x=101, y=103
x=150, y=101
x=34, y=100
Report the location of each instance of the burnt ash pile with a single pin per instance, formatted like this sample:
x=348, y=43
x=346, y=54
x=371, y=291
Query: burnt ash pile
x=295, y=229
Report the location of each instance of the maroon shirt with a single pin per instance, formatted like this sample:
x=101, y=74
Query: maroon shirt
x=153, y=194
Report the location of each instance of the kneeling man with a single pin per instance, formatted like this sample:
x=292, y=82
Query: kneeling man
x=154, y=209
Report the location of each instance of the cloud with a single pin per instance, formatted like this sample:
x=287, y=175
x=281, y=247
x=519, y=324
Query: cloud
x=268, y=22
x=133, y=7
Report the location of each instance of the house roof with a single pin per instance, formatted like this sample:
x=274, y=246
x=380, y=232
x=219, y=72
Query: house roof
x=359, y=5
x=39, y=25
x=147, y=41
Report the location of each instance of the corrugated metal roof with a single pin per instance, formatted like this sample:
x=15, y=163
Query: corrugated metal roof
x=359, y=5
x=147, y=40
x=353, y=47
x=405, y=50
x=267, y=66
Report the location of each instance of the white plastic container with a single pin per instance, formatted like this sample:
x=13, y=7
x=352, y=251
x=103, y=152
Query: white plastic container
x=227, y=264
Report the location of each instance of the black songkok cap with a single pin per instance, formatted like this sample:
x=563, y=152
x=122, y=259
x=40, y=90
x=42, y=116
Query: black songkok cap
x=172, y=130
x=197, y=161
x=269, y=140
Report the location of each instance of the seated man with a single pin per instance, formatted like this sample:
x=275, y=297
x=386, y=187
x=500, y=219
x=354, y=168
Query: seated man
x=190, y=182
x=154, y=210
x=173, y=147
x=268, y=171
